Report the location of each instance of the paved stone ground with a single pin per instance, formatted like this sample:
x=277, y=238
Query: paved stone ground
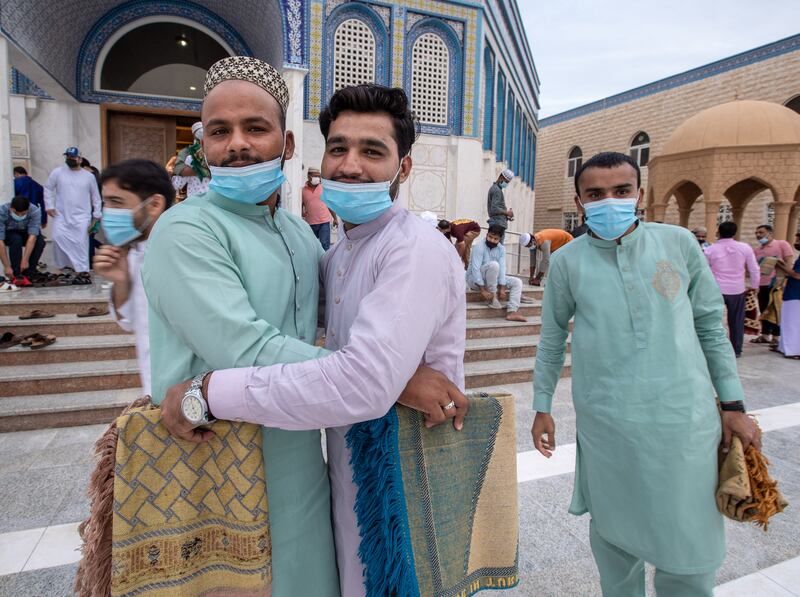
x=43, y=478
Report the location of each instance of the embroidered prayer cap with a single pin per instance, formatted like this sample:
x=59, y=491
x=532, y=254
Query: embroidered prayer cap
x=507, y=174
x=524, y=239
x=197, y=130
x=253, y=70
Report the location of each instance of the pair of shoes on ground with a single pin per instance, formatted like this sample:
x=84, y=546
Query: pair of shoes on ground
x=8, y=287
x=21, y=281
x=33, y=341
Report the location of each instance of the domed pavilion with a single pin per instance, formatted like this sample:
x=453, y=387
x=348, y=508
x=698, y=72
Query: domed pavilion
x=732, y=151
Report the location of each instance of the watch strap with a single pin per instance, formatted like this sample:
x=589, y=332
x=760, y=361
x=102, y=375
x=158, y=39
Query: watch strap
x=734, y=406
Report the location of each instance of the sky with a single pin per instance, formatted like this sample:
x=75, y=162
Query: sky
x=586, y=50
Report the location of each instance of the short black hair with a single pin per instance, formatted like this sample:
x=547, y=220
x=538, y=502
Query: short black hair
x=20, y=203
x=374, y=98
x=20, y=170
x=443, y=225
x=608, y=159
x=727, y=229
x=143, y=177
x=496, y=229
x=766, y=227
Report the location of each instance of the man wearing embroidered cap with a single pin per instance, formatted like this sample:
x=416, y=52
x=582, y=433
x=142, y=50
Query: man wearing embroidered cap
x=499, y=214
x=232, y=281
x=73, y=203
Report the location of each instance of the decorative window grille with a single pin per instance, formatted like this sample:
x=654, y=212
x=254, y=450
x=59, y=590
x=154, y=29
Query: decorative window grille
x=430, y=75
x=770, y=214
x=725, y=213
x=640, y=149
x=574, y=161
x=353, y=54
x=571, y=220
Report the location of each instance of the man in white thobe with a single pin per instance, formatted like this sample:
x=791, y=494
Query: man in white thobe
x=73, y=203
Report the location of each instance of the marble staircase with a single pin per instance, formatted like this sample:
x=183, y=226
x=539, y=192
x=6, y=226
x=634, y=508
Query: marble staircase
x=91, y=373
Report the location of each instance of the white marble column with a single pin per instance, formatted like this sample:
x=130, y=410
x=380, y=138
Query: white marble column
x=6, y=166
x=293, y=169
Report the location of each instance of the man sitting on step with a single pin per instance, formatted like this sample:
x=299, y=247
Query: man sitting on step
x=135, y=194
x=487, y=274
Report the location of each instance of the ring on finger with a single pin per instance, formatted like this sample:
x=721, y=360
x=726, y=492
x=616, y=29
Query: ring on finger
x=449, y=405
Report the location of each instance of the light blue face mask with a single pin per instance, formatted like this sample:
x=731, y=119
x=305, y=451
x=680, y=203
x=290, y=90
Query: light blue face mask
x=610, y=218
x=250, y=184
x=19, y=218
x=502, y=185
x=358, y=203
x=118, y=225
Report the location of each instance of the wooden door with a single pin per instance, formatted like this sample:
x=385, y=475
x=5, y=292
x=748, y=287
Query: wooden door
x=137, y=136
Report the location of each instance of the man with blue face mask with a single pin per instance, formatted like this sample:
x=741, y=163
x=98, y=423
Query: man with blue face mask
x=649, y=356
x=499, y=214
x=382, y=320
x=135, y=194
x=20, y=231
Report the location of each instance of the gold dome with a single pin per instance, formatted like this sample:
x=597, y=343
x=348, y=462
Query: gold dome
x=736, y=124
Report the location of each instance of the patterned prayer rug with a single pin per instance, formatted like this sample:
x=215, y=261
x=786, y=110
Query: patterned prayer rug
x=189, y=519
x=437, y=508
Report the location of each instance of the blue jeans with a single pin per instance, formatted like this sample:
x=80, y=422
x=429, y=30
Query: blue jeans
x=323, y=233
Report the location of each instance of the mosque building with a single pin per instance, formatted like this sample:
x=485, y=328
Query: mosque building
x=718, y=142
x=125, y=79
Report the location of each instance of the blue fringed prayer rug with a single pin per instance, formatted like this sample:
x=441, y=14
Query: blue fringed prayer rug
x=437, y=508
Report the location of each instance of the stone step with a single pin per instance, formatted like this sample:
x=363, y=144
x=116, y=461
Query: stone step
x=481, y=311
x=64, y=299
x=61, y=325
x=24, y=413
x=533, y=292
x=504, y=371
x=495, y=328
x=503, y=347
x=73, y=349
x=28, y=380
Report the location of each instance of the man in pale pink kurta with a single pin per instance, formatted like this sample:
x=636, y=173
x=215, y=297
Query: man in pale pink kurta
x=394, y=299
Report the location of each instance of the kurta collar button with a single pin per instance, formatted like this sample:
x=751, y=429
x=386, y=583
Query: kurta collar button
x=349, y=246
x=338, y=300
x=291, y=251
x=297, y=278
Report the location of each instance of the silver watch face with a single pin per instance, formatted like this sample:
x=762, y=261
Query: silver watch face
x=193, y=408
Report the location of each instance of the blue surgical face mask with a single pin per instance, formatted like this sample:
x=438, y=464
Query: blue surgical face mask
x=250, y=184
x=118, y=225
x=357, y=203
x=763, y=241
x=502, y=185
x=19, y=218
x=610, y=218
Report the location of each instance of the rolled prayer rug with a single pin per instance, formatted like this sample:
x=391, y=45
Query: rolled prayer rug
x=437, y=508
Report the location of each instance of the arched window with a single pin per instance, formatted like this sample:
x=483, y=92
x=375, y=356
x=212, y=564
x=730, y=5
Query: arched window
x=430, y=76
x=640, y=149
x=574, y=161
x=353, y=54
x=501, y=115
x=794, y=104
x=161, y=59
x=488, y=97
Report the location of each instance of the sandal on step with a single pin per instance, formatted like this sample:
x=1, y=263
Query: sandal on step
x=37, y=314
x=42, y=341
x=8, y=340
x=93, y=312
x=759, y=340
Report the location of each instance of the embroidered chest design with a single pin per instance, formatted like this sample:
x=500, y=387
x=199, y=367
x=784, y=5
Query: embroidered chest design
x=666, y=280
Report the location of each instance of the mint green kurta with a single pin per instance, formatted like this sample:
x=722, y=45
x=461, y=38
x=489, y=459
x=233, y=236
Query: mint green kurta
x=225, y=281
x=648, y=351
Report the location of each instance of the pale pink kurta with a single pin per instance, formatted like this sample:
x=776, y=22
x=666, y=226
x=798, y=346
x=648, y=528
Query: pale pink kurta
x=395, y=298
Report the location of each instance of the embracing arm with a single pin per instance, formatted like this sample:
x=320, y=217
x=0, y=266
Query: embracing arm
x=363, y=379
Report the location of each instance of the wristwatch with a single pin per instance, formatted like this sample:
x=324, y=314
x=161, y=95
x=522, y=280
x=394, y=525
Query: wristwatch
x=735, y=406
x=194, y=405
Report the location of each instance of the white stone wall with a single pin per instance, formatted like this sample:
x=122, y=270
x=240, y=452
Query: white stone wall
x=52, y=126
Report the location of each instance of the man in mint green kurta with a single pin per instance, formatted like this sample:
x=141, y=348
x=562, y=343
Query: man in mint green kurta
x=232, y=281
x=648, y=353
